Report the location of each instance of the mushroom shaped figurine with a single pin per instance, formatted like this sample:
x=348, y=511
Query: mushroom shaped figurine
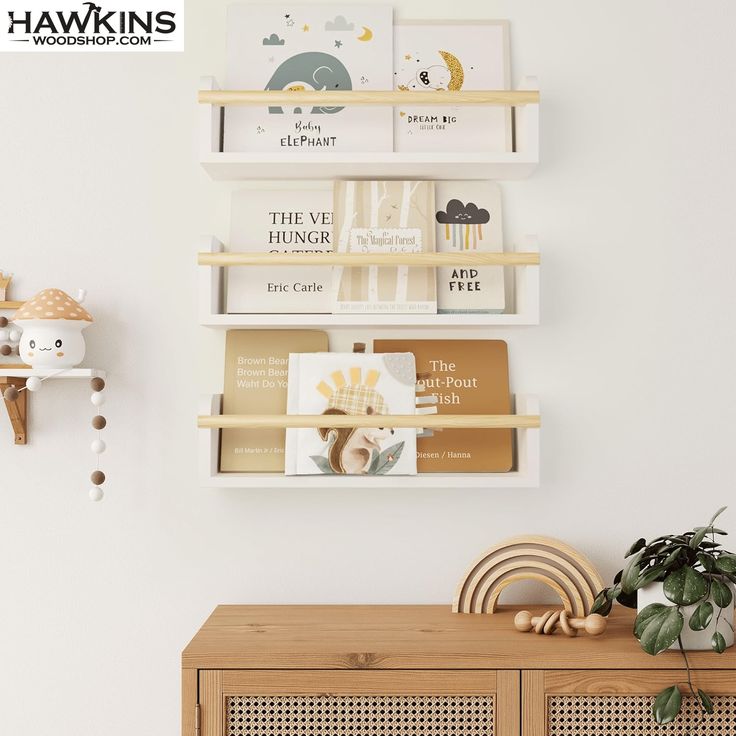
x=52, y=325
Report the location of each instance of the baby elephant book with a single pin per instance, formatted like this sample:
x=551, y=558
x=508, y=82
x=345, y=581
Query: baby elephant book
x=298, y=48
x=387, y=217
x=338, y=384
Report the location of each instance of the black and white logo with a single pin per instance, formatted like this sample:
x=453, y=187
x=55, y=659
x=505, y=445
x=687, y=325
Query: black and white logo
x=61, y=25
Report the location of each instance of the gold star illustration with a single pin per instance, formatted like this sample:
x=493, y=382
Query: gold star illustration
x=407, y=56
x=305, y=27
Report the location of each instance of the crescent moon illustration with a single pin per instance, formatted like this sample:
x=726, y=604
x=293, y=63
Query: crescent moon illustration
x=367, y=34
x=457, y=75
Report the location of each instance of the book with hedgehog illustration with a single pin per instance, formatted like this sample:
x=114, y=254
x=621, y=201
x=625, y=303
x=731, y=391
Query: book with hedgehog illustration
x=384, y=217
x=468, y=220
x=298, y=48
x=437, y=57
x=467, y=377
x=338, y=384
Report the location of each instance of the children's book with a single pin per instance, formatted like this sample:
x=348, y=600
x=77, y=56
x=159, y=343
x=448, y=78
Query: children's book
x=468, y=220
x=294, y=47
x=467, y=377
x=280, y=221
x=356, y=385
x=256, y=380
x=384, y=217
x=437, y=57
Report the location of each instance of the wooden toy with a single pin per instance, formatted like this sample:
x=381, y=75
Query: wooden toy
x=559, y=566
x=550, y=621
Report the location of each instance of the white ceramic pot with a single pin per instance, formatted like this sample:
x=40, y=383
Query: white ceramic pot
x=691, y=640
x=52, y=343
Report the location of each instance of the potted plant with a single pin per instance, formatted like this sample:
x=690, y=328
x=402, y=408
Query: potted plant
x=682, y=585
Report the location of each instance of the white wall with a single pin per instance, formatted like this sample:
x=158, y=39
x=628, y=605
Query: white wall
x=100, y=188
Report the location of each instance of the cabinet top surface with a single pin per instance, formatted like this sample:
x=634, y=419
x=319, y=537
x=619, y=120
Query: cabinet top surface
x=414, y=637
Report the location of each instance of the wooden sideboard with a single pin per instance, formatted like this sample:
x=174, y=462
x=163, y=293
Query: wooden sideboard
x=424, y=671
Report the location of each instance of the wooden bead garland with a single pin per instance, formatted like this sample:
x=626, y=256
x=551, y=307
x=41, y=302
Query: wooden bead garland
x=98, y=445
x=99, y=422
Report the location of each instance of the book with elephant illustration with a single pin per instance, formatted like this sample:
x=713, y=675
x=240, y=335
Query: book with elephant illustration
x=336, y=384
x=302, y=48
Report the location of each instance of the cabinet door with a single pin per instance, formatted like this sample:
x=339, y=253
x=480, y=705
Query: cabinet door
x=619, y=703
x=359, y=703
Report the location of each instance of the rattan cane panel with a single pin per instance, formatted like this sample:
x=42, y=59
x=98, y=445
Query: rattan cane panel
x=355, y=715
x=631, y=715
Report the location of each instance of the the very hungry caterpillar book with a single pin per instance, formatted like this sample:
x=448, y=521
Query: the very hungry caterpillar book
x=351, y=384
x=256, y=378
x=468, y=377
x=280, y=221
x=296, y=48
x=468, y=220
x=384, y=217
x=437, y=58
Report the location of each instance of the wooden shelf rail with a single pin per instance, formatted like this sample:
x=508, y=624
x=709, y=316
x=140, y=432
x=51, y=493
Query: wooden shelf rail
x=368, y=259
x=339, y=98
x=395, y=421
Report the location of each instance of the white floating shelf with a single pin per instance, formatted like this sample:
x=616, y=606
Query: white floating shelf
x=370, y=165
x=525, y=298
x=526, y=474
x=52, y=373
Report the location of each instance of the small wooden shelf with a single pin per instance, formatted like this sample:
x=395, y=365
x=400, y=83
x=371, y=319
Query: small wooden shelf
x=50, y=374
x=525, y=475
x=517, y=164
x=11, y=305
x=18, y=410
x=523, y=301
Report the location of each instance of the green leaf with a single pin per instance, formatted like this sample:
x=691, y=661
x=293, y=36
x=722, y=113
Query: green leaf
x=375, y=456
x=721, y=593
x=323, y=464
x=602, y=604
x=718, y=643
x=629, y=600
x=388, y=458
x=631, y=573
x=717, y=514
x=667, y=705
x=707, y=561
x=649, y=575
x=661, y=630
x=705, y=701
x=701, y=616
x=672, y=557
x=639, y=544
x=726, y=563
x=685, y=586
x=644, y=616
x=699, y=536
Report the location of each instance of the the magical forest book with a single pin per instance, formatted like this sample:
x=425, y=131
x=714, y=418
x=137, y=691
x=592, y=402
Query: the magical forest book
x=256, y=380
x=386, y=217
x=468, y=377
x=351, y=384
